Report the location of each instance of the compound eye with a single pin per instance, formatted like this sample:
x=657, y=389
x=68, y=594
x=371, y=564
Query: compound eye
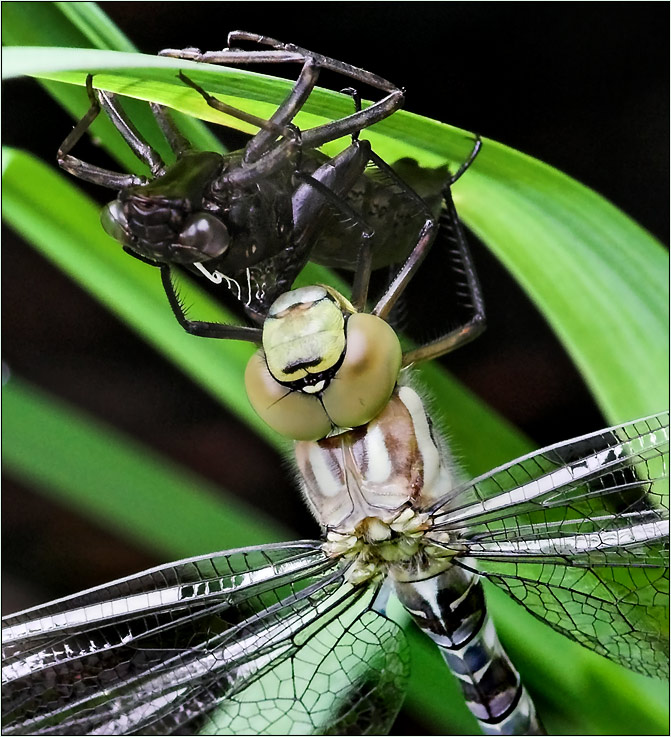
x=368, y=374
x=206, y=234
x=114, y=222
x=292, y=414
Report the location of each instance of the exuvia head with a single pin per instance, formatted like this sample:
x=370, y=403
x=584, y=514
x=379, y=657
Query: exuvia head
x=323, y=365
x=164, y=220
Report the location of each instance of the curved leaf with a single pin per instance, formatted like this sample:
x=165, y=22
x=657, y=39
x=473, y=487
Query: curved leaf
x=598, y=278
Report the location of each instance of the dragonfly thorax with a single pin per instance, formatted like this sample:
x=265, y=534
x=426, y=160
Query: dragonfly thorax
x=369, y=487
x=400, y=547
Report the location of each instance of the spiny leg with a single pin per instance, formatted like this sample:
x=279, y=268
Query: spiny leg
x=282, y=53
x=200, y=328
x=426, y=237
x=83, y=170
x=468, y=288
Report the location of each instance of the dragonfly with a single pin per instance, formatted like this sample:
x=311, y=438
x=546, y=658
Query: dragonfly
x=294, y=637
x=250, y=220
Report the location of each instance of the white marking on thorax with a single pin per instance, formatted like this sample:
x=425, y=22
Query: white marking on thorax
x=230, y=283
x=430, y=454
x=380, y=466
x=216, y=277
x=328, y=484
x=249, y=287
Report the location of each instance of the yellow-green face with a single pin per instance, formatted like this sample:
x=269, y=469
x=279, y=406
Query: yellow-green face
x=323, y=366
x=304, y=334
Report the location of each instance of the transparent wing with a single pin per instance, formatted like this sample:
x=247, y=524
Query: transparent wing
x=578, y=533
x=268, y=639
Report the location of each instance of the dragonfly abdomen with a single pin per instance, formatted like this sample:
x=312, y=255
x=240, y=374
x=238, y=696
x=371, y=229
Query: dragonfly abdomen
x=450, y=609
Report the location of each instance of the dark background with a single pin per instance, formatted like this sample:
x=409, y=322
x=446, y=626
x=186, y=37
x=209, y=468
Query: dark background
x=581, y=86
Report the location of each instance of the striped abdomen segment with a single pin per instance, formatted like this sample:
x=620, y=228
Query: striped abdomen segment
x=450, y=608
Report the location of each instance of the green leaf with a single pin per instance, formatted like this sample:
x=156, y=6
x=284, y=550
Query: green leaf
x=95, y=26
x=50, y=213
x=118, y=483
x=598, y=278
x=51, y=24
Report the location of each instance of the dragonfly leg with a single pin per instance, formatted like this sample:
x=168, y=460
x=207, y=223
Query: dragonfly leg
x=285, y=113
x=177, y=142
x=137, y=144
x=451, y=232
x=425, y=239
x=223, y=107
x=83, y=170
x=142, y=258
x=201, y=328
x=281, y=53
x=477, y=146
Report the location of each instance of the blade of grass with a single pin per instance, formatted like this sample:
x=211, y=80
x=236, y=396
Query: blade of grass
x=94, y=25
x=119, y=484
x=575, y=254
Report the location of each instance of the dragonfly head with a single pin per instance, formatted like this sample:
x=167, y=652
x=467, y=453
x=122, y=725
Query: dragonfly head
x=165, y=220
x=323, y=365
